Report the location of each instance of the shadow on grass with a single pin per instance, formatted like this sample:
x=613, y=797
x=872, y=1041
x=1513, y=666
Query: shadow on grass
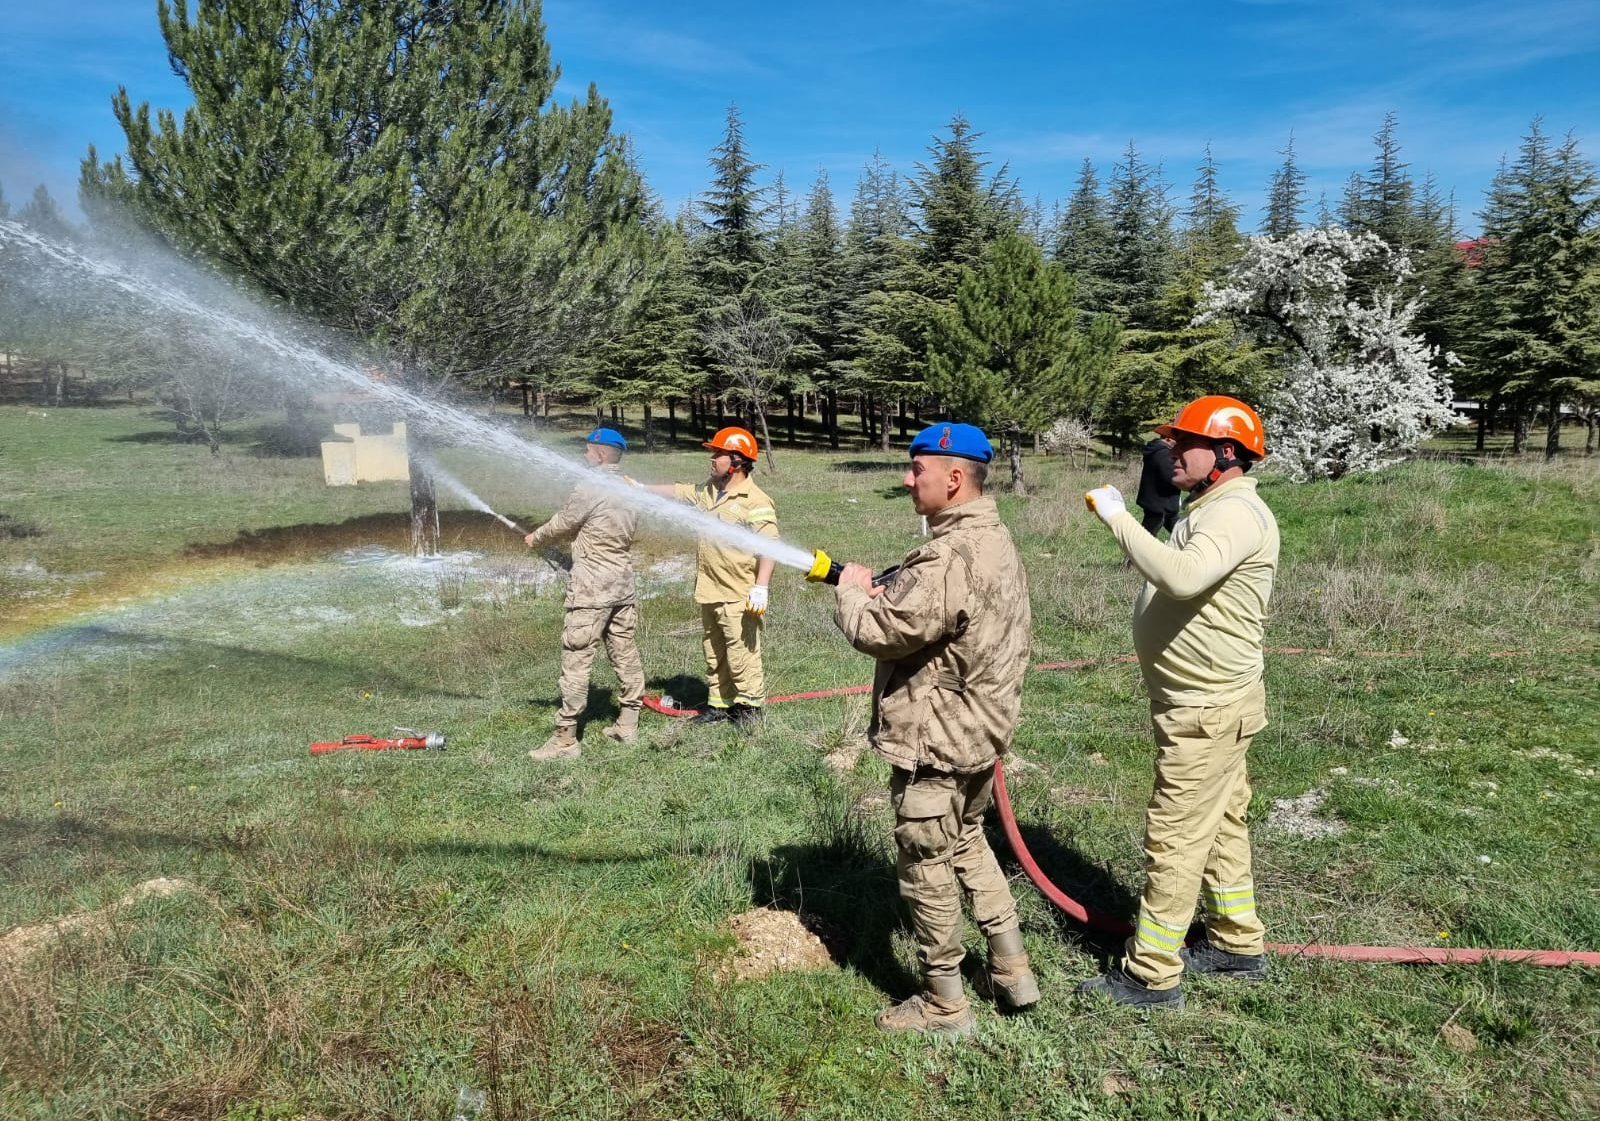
x=73, y=831
x=845, y=880
x=865, y=466
x=458, y=529
x=165, y=436
x=286, y=441
x=1088, y=883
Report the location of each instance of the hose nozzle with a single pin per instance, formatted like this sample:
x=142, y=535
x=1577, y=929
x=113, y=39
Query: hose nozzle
x=824, y=569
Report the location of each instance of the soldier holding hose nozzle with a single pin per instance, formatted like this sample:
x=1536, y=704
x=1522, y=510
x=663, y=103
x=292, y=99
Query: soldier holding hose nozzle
x=950, y=633
x=601, y=602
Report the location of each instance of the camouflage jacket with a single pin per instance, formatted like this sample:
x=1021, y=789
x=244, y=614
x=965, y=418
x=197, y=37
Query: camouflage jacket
x=601, y=527
x=951, y=634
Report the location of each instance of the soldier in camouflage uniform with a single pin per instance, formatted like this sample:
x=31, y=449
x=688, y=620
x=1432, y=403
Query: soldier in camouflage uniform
x=600, y=601
x=951, y=635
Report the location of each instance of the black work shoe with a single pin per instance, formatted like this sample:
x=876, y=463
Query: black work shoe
x=1206, y=958
x=746, y=716
x=1119, y=987
x=709, y=716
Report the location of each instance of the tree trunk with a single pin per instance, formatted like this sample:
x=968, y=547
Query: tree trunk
x=424, y=503
x=1519, y=428
x=649, y=430
x=1019, y=485
x=1552, y=434
x=790, y=397
x=1592, y=421
x=866, y=418
x=832, y=419
x=766, y=440
x=1483, y=425
x=61, y=384
x=904, y=429
x=883, y=428
x=527, y=399
x=672, y=421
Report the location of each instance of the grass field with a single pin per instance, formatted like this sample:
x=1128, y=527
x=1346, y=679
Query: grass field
x=416, y=935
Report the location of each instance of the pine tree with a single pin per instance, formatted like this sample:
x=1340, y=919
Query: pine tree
x=1538, y=312
x=878, y=258
x=827, y=347
x=956, y=213
x=1140, y=268
x=734, y=212
x=1141, y=253
x=1009, y=355
x=1083, y=240
x=42, y=215
x=1386, y=203
x=1286, y=196
x=398, y=171
x=651, y=361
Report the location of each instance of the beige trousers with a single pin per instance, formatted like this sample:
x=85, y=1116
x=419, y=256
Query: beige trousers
x=582, y=633
x=732, y=641
x=941, y=852
x=1196, y=841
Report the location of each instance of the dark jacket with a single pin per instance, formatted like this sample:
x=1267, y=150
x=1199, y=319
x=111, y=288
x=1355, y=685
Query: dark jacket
x=1156, y=491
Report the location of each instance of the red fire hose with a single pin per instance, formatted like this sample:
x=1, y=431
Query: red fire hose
x=1406, y=955
x=409, y=740
x=1409, y=955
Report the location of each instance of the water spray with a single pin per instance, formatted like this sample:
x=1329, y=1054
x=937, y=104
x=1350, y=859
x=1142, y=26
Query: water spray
x=461, y=491
x=306, y=365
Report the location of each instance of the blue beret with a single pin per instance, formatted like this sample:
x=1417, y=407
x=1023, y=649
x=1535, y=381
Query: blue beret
x=610, y=437
x=965, y=441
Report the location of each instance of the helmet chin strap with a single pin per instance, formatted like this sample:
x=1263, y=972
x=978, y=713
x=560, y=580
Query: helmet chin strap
x=1224, y=463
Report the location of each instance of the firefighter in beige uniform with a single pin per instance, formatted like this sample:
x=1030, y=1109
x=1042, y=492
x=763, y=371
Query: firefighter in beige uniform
x=731, y=585
x=600, y=601
x=951, y=635
x=1197, y=628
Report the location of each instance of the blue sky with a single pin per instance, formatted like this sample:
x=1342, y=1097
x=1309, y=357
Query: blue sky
x=823, y=84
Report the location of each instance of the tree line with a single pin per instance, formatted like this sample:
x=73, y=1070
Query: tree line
x=401, y=174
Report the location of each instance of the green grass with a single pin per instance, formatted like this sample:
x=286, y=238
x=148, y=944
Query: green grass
x=372, y=932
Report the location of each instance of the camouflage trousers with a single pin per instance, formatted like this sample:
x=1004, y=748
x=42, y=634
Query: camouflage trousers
x=1196, y=840
x=582, y=633
x=942, y=852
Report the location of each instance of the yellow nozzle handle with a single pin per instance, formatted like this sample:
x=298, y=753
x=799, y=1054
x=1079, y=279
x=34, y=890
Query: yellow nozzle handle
x=820, y=565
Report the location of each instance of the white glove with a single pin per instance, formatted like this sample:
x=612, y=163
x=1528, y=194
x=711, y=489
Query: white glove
x=756, y=602
x=1105, y=503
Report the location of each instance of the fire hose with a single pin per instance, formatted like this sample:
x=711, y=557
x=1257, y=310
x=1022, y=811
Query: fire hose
x=409, y=739
x=1404, y=955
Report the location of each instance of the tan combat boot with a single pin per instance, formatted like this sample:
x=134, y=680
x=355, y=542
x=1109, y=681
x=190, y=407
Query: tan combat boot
x=941, y=1009
x=560, y=746
x=626, y=729
x=1011, y=978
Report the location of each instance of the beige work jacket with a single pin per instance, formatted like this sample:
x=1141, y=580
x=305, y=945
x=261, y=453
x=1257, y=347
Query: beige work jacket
x=724, y=574
x=601, y=527
x=951, y=634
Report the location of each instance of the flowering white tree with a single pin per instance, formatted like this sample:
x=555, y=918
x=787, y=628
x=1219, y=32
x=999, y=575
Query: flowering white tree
x=1359, y=390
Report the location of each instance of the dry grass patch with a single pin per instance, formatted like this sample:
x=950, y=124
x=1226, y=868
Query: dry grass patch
x=772, y=941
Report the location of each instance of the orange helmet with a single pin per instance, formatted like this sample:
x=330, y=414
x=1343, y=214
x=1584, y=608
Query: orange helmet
x=735, y=440
x=1220, y=418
